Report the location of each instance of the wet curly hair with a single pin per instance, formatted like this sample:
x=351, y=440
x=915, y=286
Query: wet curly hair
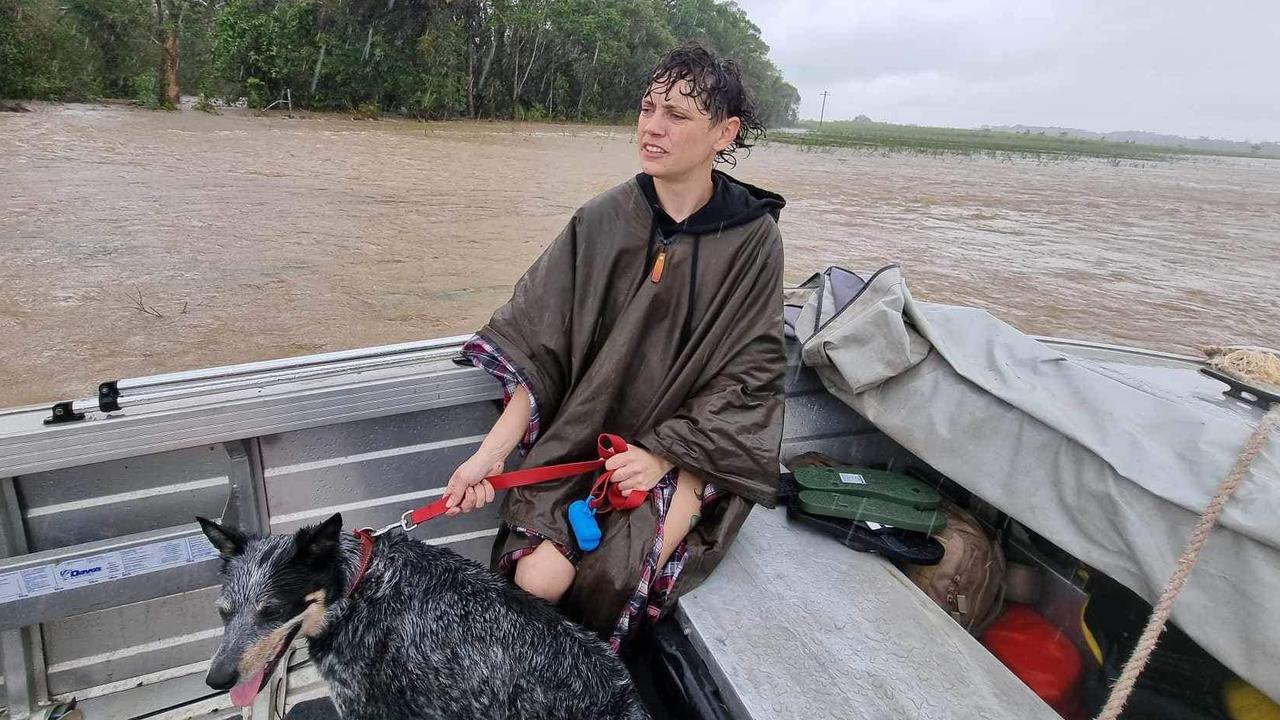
x=716, y=86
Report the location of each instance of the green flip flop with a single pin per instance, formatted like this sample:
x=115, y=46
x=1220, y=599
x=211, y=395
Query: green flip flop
x=867, y=509
x=874, y=484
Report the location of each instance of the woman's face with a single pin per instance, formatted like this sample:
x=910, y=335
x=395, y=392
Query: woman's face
x=676, y=137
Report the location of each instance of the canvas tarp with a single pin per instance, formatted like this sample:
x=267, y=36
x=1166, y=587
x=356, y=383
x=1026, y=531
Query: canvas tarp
x=1111, y=463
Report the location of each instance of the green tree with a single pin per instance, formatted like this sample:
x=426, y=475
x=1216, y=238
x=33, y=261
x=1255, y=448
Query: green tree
x=726, y=28
x=43, y=53
x=119, y=36
x=571, y=59
x=171, y=17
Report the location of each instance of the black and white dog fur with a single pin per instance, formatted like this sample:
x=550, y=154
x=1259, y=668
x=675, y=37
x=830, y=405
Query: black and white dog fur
x=426, y=634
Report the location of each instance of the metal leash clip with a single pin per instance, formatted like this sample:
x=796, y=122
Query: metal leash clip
x=404, y=523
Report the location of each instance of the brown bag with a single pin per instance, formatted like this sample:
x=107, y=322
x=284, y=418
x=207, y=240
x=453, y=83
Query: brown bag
x=969, y=582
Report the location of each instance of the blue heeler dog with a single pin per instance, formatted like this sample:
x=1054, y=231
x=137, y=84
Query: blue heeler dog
x=402, y=629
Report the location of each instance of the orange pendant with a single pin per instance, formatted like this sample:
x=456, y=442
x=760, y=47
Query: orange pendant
x=658, y=265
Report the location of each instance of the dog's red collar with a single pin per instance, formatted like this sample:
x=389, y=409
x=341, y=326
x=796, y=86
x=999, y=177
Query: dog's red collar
x=366, y=555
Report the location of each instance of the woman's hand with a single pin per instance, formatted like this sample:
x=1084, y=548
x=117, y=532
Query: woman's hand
x=636, y=469
x=467, y=489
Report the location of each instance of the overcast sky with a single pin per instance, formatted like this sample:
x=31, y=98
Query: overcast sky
x=1179, y=66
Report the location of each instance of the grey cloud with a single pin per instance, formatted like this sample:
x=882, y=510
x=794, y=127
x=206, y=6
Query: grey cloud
x=1179, y=66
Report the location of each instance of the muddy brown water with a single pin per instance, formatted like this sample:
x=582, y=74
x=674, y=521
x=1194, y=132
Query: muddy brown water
x=261, y=237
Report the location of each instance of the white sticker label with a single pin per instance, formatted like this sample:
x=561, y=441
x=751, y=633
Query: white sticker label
x=10, y=587
x=39, y=580
x=200, y=548
x=140, y=560
x=852, y=479
x=154, y=557
x=87, y=571
x=27, y=583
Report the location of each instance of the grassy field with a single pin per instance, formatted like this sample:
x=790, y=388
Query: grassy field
x=942, y=141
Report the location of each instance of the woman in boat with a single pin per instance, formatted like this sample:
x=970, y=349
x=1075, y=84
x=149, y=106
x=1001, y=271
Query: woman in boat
x=655, y=315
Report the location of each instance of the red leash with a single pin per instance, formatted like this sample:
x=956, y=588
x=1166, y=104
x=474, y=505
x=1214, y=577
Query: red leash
x=603, y=497
x=607, y=446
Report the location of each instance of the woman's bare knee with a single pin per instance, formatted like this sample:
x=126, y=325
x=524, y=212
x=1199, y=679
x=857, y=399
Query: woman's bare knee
x=545, y=573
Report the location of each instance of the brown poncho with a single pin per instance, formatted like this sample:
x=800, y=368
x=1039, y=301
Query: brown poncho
x=689, y=367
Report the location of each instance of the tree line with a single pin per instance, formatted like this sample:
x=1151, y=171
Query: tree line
x=583, y=60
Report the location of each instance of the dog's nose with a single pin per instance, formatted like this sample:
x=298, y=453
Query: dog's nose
x=221, y=678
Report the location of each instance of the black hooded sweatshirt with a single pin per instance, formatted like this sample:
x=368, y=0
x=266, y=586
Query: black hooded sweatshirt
x=732, y=203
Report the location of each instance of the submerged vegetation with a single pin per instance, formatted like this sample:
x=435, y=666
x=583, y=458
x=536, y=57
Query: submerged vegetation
x=522, y=59
x=927, y=140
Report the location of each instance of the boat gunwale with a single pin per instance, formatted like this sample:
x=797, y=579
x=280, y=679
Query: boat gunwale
x=272, y=395
x=251, y=373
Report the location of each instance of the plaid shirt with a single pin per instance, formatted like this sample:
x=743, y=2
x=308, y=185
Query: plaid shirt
x=489, y=358
x=655, y=585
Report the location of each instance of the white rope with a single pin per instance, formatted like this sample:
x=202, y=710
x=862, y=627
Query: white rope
x=1208, y=519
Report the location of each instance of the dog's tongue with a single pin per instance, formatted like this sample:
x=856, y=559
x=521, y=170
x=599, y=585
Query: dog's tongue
x=242, y=695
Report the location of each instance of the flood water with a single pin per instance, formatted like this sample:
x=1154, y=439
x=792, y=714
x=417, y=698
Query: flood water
x=248, y=237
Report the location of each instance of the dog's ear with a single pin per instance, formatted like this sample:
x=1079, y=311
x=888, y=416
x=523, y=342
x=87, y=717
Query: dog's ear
x=229, y=541
x=319, y=542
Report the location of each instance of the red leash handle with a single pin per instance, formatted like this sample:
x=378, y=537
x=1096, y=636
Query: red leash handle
x=606, y=496
x=607, y=446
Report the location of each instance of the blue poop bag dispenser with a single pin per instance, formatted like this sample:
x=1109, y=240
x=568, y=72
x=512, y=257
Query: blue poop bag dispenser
x=602, y=498
x=582, y=521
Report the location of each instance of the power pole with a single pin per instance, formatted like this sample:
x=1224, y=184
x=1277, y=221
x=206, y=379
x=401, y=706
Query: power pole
x=823, y=113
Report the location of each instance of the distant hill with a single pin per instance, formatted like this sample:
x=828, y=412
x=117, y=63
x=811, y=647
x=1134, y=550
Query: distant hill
x=1207, y=144
x=1042, y=142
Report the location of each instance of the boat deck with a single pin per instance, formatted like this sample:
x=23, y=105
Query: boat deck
x=794, y=625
